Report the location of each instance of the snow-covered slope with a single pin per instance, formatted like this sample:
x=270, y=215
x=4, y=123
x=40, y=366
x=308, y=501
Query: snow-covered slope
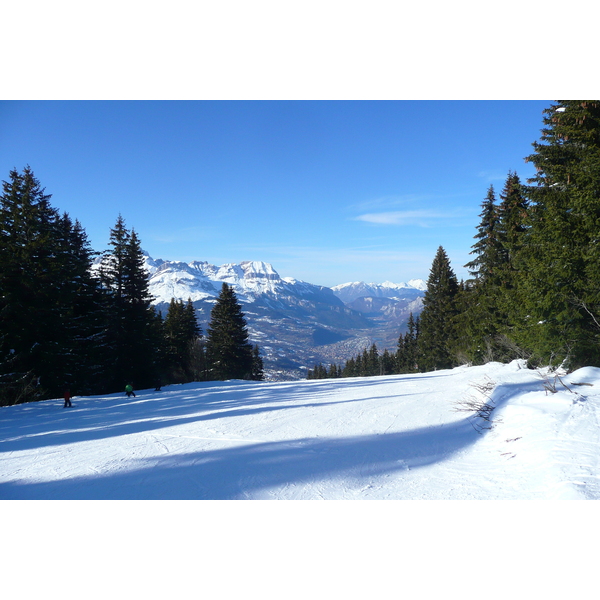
x=398, y=437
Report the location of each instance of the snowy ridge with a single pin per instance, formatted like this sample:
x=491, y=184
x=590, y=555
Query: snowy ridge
x=203, y=281
x=349, y=292
x=396, y=437
x=249, y=279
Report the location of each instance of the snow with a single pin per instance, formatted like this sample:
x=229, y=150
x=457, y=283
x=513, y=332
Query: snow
x=393, y=438
x=418, y=284
x=380, y=438
x=201, y=281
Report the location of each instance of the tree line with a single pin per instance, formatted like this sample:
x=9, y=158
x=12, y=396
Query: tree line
x=64, y=323
x=533, y=290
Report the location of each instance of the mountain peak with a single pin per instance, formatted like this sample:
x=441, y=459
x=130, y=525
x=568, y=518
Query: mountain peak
x=349, y=292
x=419, y=284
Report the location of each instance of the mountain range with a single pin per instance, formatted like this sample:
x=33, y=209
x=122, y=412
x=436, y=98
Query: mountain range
x=296, y=324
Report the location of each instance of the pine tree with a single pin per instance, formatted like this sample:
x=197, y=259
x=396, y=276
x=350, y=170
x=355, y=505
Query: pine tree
x=359, y=365
x=134, y=334
x=477, y=300
x=559, y=287
x=26, y=248
x=437, y=326
x=48, y=299
x=182, y=335
x=407, y=351
x=195, y=355
x=399, y=357
x=487, y=248
x=512, y=220
x=319, y=371
x=485, y=303
x=366, y=364
x=228, y=352
x=349, y=369
x=258, y=372
x=373, y=367
x=81, y=308
x=388, y=366
x=176, y=342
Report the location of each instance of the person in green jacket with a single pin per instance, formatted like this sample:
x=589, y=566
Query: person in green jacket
x=129, y=390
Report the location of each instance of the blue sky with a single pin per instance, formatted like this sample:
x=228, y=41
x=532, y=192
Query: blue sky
x=326, y=191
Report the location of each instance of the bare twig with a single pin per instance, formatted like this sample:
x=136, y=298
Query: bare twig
x=480, y=407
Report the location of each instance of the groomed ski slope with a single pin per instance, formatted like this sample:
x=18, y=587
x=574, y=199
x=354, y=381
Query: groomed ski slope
x=377, y=438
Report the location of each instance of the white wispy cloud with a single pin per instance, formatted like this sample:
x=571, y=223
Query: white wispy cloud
x=404, y=217
x=395, y=201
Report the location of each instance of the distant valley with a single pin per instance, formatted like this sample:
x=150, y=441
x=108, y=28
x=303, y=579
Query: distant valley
x=296, y=324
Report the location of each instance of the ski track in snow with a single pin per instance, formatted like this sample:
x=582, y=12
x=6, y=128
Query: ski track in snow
x=396, y=437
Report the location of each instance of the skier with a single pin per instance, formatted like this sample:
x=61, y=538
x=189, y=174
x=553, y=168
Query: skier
x=129, y=390
x=67, y=397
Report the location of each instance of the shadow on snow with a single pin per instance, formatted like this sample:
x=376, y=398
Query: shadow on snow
x=251, y=470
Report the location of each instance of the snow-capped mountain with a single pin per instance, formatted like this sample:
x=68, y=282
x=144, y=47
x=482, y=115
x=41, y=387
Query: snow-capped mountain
x=202, y=281
x=295, y=323
x=348, y=292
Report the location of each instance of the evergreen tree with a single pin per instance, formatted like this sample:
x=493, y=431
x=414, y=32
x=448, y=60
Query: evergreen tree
x=319, y=371
x=195, y=356
x=229, y=354
x=81, y=308
x=349, y=369
x=487, y=248
x=26, y=248
x=258, y=373
x=182, y=335
x=484, y=304
x=366, y=365
x=559, y=287
x=175, y=340
x=437, y=326
x=407, y=348
x=359, y=366
x=512, y=220
x=387, y=362
x=47, y=295
x=399, y=358
x=134, y=335
x=372, y=361
x=476, y=300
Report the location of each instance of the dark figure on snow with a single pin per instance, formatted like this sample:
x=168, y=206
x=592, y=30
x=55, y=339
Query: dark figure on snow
x=129, y=390
x=67, y=397
x=158, y=385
